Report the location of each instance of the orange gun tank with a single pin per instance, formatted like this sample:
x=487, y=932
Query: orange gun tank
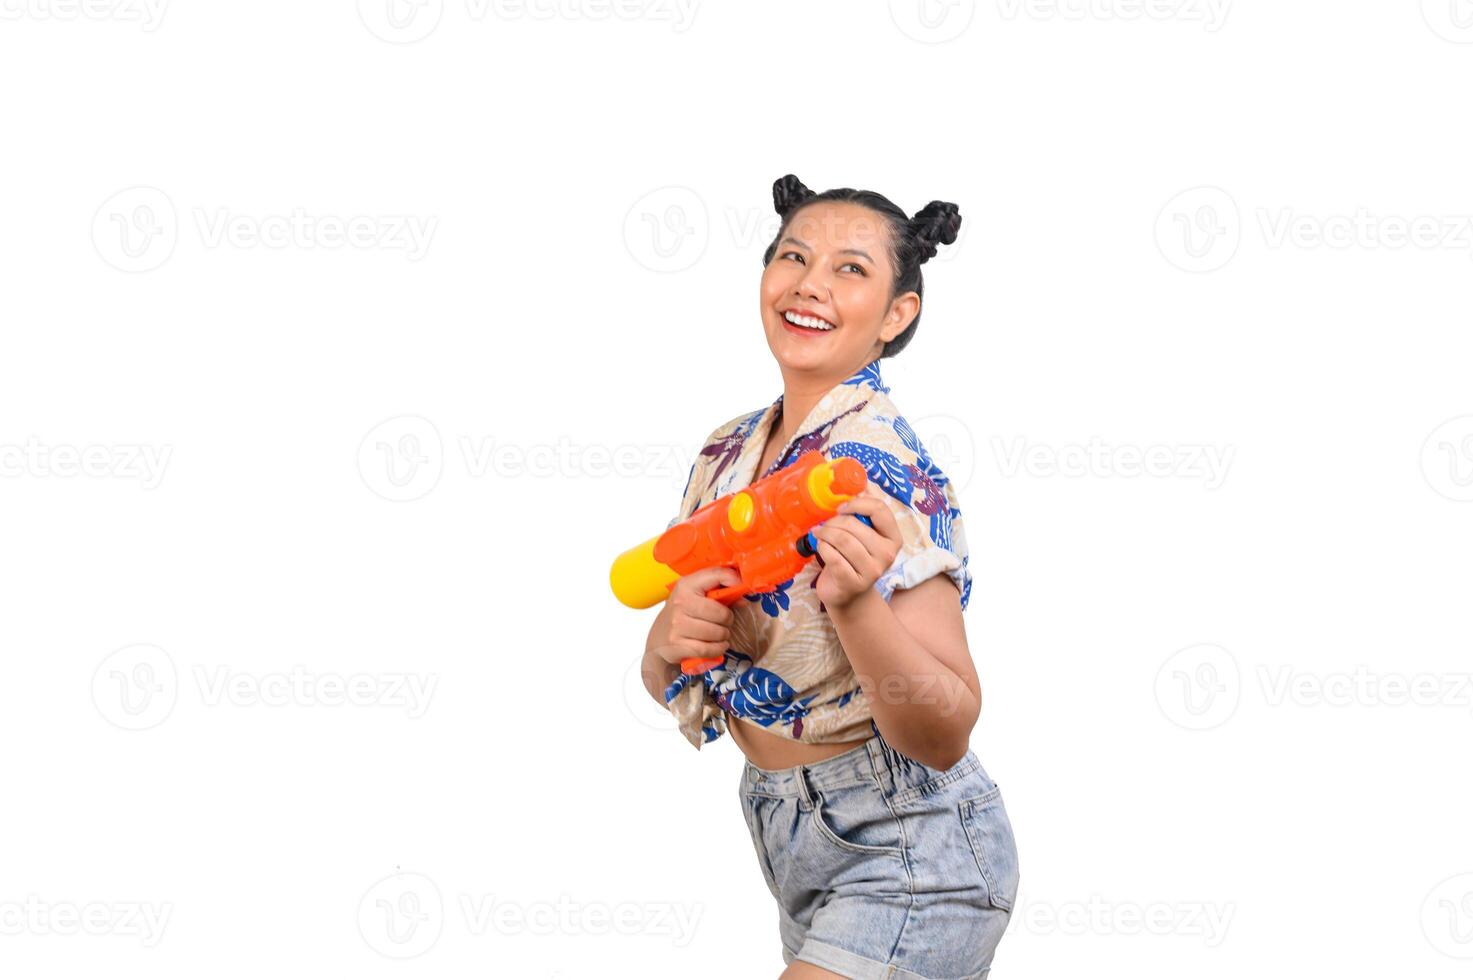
x=759, y=531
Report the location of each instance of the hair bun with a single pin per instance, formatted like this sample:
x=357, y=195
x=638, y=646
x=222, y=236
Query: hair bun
x=935, y=224
x=788, y=192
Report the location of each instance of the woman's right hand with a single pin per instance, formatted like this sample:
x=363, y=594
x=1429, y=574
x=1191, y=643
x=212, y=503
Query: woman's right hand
x=695, y=626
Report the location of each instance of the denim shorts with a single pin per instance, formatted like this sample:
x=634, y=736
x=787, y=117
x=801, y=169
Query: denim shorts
x=882, y=866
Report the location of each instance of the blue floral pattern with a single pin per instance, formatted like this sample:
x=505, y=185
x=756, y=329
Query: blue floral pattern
x=785, y=669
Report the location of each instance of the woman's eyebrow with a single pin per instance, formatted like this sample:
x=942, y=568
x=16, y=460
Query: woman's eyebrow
x=842, y=251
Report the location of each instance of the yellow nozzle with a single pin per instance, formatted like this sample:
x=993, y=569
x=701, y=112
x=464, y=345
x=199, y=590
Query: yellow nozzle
x=820, y=487
x=638, y=580
x=741, y=511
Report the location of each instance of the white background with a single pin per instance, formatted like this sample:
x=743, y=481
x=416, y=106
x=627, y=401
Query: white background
x=1188, y=228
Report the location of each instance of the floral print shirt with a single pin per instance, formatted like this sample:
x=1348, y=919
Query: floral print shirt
x=784, y=668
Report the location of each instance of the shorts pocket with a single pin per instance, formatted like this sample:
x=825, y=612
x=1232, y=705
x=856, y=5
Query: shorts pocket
x=991, y=835
x=856, y=819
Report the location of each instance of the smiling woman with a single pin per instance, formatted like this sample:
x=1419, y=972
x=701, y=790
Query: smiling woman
x=849, y=688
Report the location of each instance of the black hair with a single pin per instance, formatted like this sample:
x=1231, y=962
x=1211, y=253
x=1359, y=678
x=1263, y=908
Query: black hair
x=913, y=240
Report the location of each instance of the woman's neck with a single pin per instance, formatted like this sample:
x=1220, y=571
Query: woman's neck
x=801, y=394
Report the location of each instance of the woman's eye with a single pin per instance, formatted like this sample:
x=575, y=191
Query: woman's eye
x=855, y=266
x=794, y=255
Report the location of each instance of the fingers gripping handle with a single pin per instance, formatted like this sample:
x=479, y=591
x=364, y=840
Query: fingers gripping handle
x=726, y=595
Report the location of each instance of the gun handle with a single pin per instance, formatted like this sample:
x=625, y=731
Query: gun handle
x=726, y=595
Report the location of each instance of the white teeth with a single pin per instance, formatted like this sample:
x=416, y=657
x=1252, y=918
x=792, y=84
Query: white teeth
x=812, y=322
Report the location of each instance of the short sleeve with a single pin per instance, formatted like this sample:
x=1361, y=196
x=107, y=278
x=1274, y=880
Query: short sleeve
x=920, y=556
x=923, y=502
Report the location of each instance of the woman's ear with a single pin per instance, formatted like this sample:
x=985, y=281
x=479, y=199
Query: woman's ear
x=903, y=310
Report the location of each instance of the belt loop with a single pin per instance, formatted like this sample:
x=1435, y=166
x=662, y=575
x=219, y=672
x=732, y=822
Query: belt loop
x=805, y=796
x=879, y=758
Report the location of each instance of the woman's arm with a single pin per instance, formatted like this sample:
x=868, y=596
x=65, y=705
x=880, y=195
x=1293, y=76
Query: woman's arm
x=909, y=654
x=657, y=672
x=912, y=660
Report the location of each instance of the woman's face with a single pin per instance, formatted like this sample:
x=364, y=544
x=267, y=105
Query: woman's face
x=833, y=263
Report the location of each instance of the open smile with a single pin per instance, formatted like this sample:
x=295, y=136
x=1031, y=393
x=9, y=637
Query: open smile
x=805, y=324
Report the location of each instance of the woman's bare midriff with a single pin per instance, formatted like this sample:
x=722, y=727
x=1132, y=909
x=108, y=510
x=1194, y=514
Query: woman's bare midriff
x=774, y=752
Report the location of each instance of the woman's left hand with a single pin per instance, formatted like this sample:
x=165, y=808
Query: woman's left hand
x=855, y=556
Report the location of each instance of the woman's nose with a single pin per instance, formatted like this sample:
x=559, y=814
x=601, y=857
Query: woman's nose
x=814, y=284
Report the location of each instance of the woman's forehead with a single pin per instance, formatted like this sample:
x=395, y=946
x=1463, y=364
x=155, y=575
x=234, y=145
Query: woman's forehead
x=838, y=224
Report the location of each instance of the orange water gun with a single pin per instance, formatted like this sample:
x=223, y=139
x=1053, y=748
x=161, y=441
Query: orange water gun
x=762, y=531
